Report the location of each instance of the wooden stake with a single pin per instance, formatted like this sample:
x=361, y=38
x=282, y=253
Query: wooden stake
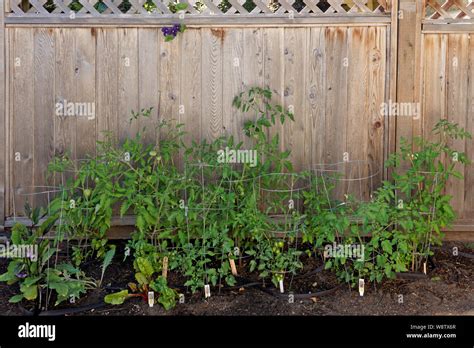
x=165, y=267
x=232, y=267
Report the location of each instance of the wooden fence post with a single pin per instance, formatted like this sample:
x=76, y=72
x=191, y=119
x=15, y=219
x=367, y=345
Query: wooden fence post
x=409, y=66
x=3, y=8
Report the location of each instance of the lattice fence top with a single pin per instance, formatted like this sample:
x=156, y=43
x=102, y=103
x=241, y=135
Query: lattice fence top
x=98, y=8
x=449, y=9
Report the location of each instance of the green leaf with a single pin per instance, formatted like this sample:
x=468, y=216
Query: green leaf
x=60, y=287
x=387, y=246
x=181, y=7
x=16, y=233
x=145, y=267
x=117, y=298
x=16, y=299
x=29, y=292
x=141, y=279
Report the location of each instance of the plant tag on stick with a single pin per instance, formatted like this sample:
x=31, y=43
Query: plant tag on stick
x=165, y=267
x=361, y=287
x=232, y=267
x=282, y=288
x=424, y=267
x=151, y=298
x=207, y=291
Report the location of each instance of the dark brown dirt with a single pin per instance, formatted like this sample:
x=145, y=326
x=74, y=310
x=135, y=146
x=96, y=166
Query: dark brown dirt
x=447, y=290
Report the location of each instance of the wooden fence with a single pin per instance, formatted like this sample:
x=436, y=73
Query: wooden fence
x=334, y=62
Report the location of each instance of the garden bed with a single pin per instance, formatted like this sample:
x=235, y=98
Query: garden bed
x=448, y=289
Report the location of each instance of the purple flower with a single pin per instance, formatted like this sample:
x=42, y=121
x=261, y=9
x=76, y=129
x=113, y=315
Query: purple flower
x=171, y=31
x=21, y=275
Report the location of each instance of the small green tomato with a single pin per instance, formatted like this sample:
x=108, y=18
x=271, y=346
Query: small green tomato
x=87, y=193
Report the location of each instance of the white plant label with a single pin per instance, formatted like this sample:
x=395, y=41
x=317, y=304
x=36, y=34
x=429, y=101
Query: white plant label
x=207, y=291
x=151, y=298
x=361, y=287
x=282, y=288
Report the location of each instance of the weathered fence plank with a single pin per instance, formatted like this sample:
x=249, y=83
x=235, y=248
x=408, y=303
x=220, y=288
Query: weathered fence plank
x=233, y=69
x=191, y=85
x=127, y=81
x=3, y=115
x=22, y=60
x=43, y=136
x=316, y=89
x=212, y=82
x=295, y=65
x=457, y=105
x=107, y=82
x=85, y=95
x=148, y=81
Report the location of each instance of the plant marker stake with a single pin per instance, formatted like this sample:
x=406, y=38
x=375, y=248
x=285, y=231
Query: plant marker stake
x=282, y=288
x=361, y=287
x=151, y=298
x=207, y=291
x=165, y=267
x=232, y=267
x=424, y=268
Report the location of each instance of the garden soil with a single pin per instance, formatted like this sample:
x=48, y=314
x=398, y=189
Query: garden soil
x=448, y=289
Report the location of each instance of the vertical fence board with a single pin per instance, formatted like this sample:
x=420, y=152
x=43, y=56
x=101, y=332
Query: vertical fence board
x=336, y=94
x=22, y=59
x=233, y=66
x=273, y=48
x=148, y=81
x=359, y=114
x=316, y=88
x=85, y=46
x=253, y=66
x=457, y=106
x=44, y=109
x=3, y=116
x=434, y=101
x=170, y=54
x=107, y=62
x=212, y=44
x=294, y=78
x=469, y=170
x=406, y=57
x=376, y=96
x=190, y=85
x=64, y=77
x=128, y=82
